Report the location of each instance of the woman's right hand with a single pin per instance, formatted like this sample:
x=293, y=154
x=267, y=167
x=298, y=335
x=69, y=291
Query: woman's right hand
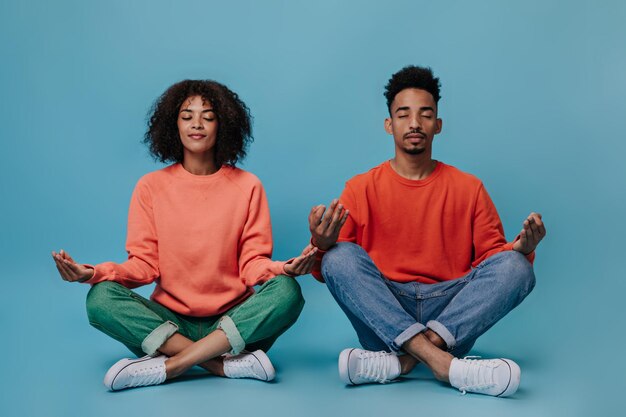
x=69, y=269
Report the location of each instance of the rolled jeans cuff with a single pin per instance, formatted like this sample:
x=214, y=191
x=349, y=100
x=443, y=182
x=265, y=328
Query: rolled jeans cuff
x=411, y=331
x=157, y=337
x=444, y=333
x=227, y=325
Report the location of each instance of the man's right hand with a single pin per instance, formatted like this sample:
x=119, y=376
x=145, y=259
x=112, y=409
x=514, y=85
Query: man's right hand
x=69, y=269
x=326, y=224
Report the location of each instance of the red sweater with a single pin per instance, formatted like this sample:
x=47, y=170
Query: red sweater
x=206, y=240
x=429, y=230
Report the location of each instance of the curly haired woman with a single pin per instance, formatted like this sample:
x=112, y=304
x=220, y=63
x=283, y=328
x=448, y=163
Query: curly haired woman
x=200, y=229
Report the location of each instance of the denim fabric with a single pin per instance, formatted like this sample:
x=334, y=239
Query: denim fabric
x=385, y=313
x=144, y=325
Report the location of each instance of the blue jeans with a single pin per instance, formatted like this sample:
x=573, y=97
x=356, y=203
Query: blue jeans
x=386, y=314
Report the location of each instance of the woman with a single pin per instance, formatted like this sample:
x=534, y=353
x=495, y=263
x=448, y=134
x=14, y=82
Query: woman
x=201, y=229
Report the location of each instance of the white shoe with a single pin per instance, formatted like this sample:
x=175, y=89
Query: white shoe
x=497, y=377
x=249, y=365
x=129, y=373
x=358, y=366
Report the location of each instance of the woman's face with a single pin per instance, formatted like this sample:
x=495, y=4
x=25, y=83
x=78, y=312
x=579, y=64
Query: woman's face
x=197, y=127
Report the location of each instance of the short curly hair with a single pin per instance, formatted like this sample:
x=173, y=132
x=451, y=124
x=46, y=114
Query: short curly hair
x=234, y=132
x=412, y=77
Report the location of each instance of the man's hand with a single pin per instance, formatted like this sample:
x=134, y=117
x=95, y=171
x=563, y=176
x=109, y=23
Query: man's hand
x=532, y=232
x=69, y=269
x=325, y=227
x=303, y=264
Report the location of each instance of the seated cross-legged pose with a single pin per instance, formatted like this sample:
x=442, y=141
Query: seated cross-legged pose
x=422, y=268
x=201, y=229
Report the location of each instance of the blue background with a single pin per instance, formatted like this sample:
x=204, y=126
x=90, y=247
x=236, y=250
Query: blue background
x=534, y=103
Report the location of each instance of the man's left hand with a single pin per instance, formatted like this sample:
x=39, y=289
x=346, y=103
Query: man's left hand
x=532, y=232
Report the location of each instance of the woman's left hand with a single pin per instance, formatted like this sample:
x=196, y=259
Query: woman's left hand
x=303, y=264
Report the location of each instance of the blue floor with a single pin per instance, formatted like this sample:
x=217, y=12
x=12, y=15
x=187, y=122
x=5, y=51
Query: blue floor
x=57, y=362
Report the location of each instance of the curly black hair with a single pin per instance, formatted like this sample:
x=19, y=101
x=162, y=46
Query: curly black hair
x=412, y=77
x=234, y=132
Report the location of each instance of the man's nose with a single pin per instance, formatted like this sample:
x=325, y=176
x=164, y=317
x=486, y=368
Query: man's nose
x=415, y=122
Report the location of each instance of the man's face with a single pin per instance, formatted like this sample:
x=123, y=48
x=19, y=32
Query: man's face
x=413, y=121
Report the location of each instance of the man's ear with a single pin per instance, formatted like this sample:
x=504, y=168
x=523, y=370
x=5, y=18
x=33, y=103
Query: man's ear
x=388, y=127
x=439, y=126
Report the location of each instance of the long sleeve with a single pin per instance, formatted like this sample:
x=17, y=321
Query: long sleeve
x=255, y=247
x=142, y=266
x=488, y=233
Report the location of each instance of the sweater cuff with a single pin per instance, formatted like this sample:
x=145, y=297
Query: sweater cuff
x=319, y=251
x=97, y=275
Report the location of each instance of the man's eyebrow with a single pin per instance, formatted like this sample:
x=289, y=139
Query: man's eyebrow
x=407, y=108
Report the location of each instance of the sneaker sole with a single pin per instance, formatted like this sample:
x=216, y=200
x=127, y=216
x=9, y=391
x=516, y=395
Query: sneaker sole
x=115, y=370
x=344, y=359
x=513, y=381
x=270, y=373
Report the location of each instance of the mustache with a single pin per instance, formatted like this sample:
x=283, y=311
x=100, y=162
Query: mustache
x=414, y=132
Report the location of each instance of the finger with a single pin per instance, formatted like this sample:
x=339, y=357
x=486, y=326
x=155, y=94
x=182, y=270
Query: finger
x=73, y=276
x=64, y=270
x=316, y=214
x=330, y=212
x=540, y=227
x=307, y=249
x=523, y=239
x=69, y=258
x=306, y=266
x=337, y=216
x=340, y=224
x=60, y=269
x=530, y=236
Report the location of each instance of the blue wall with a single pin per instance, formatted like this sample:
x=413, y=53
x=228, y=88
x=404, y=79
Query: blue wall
x=534, y=103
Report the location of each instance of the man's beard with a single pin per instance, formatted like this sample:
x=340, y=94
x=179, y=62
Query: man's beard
x=414, y=151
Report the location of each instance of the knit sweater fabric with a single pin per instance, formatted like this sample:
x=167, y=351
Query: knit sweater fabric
x=427, y=231
x=205, y=240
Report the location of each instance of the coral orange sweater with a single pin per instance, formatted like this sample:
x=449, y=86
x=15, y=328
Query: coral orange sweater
x=206, y=240
x=430, y=230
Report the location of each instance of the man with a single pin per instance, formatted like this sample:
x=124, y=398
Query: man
x=422, y=268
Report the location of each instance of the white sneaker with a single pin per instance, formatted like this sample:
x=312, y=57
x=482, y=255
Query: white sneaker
x=497, y=377
x=129, y=373
x=358, y=366
x=249, y=365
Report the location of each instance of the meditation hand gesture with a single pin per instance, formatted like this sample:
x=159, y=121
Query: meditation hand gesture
x=325, y=227
x=69, y=269
x=532, y=232
x=303, y=264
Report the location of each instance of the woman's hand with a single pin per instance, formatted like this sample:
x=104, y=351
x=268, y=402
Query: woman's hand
x=303, y=264
x=69, y=269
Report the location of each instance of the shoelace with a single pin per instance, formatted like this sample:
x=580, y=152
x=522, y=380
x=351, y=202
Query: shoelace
x=147, y=375
x=243, y=368
x=478, y=374
x=375, y=366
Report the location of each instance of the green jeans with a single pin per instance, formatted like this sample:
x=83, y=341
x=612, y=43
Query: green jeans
x=144, y=325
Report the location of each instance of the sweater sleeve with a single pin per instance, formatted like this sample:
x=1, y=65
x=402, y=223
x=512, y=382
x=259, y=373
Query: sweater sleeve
x=255, y=246
x=142, y=266
x=348, y=232
x=488, y=233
